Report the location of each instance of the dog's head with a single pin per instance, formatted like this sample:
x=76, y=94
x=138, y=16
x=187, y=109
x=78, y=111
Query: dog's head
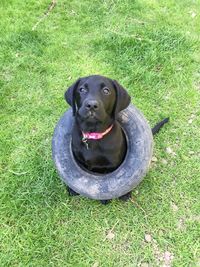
x=96, y=100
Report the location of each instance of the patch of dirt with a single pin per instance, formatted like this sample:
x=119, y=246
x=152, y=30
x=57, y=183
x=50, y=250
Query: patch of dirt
x=163, y=258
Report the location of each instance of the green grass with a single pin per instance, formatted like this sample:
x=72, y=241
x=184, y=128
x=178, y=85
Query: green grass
x=152, y=48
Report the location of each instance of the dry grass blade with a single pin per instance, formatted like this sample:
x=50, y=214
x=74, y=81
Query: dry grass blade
x=51, y=6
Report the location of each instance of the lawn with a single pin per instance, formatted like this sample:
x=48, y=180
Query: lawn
x=152, y=48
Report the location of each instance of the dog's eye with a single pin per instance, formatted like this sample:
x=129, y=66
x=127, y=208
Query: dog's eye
x=82, y=90
x=106, y=91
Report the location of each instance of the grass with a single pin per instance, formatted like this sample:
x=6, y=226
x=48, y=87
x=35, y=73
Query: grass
x=152, y=48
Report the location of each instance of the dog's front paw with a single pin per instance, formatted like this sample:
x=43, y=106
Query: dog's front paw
x=72, y=192
x=105, y=202
x=126, y=197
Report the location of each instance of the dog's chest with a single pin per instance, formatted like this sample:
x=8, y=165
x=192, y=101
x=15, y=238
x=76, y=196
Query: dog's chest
x=103, y=155
x=92, y=155
x=92, y=151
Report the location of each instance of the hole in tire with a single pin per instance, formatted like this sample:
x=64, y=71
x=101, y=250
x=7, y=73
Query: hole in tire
x=102, y=173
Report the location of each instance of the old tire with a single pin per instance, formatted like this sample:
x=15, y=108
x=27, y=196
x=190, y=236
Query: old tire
x=117, y=183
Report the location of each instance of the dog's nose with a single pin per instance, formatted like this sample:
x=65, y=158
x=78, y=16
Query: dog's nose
x=92, y=104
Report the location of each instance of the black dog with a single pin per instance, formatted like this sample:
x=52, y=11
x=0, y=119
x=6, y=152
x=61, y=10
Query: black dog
x=98, y=142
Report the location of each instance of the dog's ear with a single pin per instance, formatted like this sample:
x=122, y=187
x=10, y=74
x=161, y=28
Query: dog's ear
x=70, y=95
x=123, y=99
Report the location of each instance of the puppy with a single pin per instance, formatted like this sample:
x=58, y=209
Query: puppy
x=98, y=142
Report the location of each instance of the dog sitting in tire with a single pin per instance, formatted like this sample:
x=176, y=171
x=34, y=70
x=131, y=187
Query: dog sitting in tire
x=98, y=142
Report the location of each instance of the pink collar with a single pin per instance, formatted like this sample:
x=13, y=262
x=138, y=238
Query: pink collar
x=96, y=136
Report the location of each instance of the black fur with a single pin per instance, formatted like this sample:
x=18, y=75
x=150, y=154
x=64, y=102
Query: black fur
x=158, y=126
x=96, y=102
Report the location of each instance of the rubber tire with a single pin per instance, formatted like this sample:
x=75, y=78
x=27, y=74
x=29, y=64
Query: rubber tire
x=117, y=183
